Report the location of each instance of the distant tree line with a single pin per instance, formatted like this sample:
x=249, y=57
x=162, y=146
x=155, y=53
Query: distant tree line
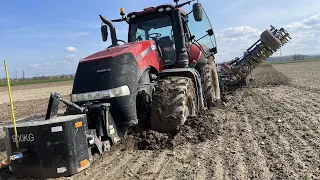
x=293, y=57
x=38, y=78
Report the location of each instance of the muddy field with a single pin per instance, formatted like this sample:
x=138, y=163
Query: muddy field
x=268, y=130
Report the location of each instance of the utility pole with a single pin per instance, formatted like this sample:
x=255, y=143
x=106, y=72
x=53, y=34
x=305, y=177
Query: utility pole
x=23, y=74
x=16, y=72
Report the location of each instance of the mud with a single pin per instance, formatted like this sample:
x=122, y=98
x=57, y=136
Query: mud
x=261, y=132
x=194, y=131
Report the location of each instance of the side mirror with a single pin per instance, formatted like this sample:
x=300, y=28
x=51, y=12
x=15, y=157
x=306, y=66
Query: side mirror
x=197, y=11
x=214, y=50
x=104, y=32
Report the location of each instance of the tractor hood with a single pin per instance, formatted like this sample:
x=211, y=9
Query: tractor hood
x=138, y=49
x=110, y=68
x=113, y=69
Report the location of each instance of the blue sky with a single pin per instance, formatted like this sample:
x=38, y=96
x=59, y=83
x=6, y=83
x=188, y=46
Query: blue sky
x=50, y=37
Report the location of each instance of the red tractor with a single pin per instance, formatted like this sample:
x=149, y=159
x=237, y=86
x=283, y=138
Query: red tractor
x=165, y=73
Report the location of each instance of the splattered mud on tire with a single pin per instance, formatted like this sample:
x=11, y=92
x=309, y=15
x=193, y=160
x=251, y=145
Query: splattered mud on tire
x=210, y=87
x=174, y=100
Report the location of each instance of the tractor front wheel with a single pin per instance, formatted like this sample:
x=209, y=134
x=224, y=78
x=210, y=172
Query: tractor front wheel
x=174, y=100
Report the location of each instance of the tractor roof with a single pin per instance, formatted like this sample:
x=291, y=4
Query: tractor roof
x=153, y=10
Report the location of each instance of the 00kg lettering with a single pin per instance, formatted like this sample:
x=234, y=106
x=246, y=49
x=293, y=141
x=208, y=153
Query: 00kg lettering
x=23, y=138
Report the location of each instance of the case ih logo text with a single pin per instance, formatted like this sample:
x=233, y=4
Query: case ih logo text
x=23, y=138
x=103, y=70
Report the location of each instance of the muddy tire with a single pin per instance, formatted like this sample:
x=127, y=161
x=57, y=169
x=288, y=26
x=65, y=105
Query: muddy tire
x=174, y=100
x=210, y=83
x=270, y=41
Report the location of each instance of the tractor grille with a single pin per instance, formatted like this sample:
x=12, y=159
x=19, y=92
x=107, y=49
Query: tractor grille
x=106, y=74
x=111, y=73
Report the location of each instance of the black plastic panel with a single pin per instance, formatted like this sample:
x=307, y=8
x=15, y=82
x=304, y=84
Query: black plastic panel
x=106, y=74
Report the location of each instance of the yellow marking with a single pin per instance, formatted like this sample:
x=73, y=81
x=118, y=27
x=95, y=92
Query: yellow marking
x=112, y=131
x=11, y=104
x=83, y=163
x=78, y=124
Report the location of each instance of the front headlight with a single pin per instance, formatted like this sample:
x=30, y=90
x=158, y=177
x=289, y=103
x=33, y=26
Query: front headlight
x=116, y=92
x=120, y=91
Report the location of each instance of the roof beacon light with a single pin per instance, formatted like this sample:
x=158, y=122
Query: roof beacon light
x=122, y=12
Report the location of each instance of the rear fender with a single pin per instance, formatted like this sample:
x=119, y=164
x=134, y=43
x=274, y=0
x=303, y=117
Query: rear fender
x=187, y=72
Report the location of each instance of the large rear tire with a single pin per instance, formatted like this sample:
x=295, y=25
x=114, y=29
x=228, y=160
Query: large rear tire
x=210, y=83
x=174, y=100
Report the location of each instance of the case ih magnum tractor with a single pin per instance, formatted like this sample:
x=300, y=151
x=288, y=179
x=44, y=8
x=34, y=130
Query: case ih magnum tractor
x=165, y=73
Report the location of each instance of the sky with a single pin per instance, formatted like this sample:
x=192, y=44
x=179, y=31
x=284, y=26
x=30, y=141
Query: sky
x=50, y=37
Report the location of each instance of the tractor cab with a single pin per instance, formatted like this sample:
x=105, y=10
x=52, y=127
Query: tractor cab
x=157, y=27
x=155, y=23
x=180, y=37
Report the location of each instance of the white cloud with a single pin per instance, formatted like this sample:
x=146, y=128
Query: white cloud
x=71, y=49
x=35, y=65
x=312, y=22
x=237, y=31
x=304, y=35
x=315, y=19
x=233, y=41
x=297, y=25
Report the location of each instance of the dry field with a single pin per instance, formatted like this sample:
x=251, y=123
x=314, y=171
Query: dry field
x=268, y=130
x=303, y=74
x=30, y=99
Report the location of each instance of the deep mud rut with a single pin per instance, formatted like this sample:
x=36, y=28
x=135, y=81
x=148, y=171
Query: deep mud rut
x=261, y=132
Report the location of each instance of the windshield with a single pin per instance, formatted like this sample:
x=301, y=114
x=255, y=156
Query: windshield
x=199, y=30
x=156, y=29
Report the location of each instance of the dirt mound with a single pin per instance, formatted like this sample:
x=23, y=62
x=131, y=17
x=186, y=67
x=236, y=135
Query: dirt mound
x=194, y=131
x=144, y=139
x=266, y=74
